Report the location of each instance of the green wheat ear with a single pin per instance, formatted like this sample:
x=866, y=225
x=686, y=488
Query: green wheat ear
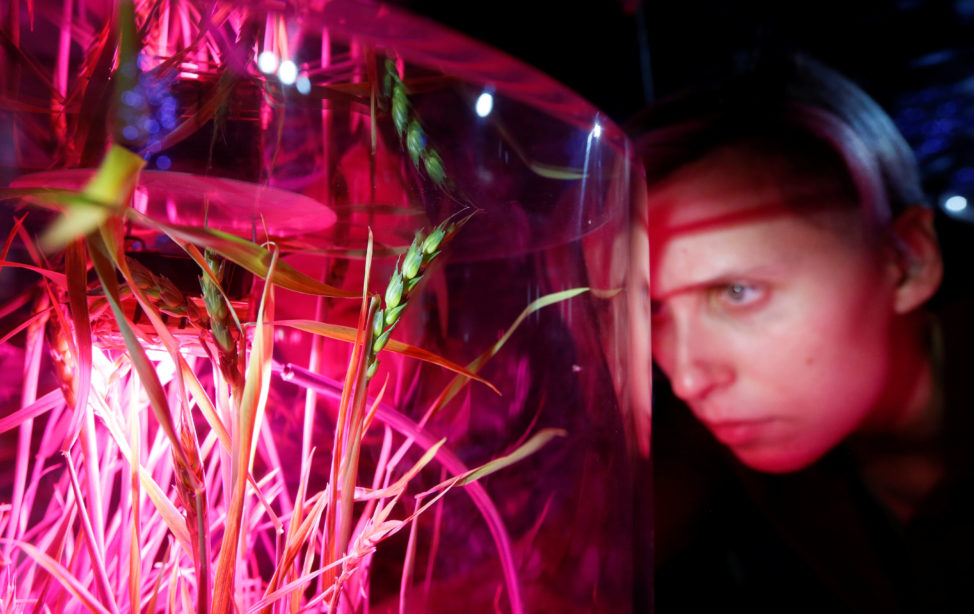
x=409, y=128
x=221, y=326
x=409, y=271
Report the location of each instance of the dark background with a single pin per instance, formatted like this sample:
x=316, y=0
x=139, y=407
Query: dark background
x=915, y=57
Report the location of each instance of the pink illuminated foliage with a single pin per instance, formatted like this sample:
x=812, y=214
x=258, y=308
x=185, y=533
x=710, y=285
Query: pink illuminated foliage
x=140, y=471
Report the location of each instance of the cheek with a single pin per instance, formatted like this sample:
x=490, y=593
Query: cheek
x=834, y=333
x=817, y=351
x=827, y=362
x=825, y=390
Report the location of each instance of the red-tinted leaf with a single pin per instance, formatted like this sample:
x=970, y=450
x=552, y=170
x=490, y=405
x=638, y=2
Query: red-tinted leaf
x=347, y=333
x=77, y=274
x=147, y=373
x=54, y=276
x=37, y=408
x=249, y=255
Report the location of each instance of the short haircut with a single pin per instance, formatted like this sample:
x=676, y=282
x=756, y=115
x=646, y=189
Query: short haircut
x=791, y=102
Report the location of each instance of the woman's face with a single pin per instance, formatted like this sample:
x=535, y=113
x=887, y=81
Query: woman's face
x=774, y=327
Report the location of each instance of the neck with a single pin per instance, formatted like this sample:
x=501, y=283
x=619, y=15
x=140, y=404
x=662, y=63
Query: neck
x=897, y=450
x=910, y=410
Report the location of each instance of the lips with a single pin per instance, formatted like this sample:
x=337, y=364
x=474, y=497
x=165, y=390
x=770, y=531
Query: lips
x=738, y=433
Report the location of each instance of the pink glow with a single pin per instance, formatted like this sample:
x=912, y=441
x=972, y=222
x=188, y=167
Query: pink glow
x=140, y=487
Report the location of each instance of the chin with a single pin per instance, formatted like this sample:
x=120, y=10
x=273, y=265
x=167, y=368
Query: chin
x=775, y=461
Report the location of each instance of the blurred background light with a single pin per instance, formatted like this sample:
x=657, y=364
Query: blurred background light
x=955, y=204
x=485, y=102
x=267, y=62
x=288, y=72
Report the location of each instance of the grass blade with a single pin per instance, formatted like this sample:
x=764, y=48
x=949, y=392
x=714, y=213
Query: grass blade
x=54, y=276
x=548, y=171
x=37, y=317
x=399, y=486
x=252, y=400
x=347, y=333
x=458, y=382
x=250, y=256
x=523, y=451
x=409, y=561
x=97, y=556
x=50, y=198
x=170, y=515
x=267, y=600
x=135, y=516
x=76, y=273
x=407, y=427
x=18, y=223
x=199, y=259
x=39, y=407
x=144, y=368
x=67, y=580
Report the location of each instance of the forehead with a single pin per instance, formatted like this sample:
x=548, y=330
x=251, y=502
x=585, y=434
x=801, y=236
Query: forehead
x=738, y=184
x=733, y=213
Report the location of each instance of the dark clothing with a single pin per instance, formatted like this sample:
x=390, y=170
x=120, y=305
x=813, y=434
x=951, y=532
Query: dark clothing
x=816, y=540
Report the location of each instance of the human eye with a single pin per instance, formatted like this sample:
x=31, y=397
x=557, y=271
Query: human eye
x=739, y=294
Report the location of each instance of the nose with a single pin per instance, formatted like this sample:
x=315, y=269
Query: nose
x=698, y=363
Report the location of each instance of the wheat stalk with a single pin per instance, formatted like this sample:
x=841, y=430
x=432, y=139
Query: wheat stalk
x=408, y=273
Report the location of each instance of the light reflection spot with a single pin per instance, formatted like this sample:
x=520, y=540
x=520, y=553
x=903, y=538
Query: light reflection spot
x=288, y=72
x=955, y=204
x=267, y=62
x=485, y=103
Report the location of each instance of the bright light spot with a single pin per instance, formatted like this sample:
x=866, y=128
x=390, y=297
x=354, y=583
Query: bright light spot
x=303, y=84
x=288, y=72
x=597, y=130
x=164, y=366
x=267, y=62
x=190, y=70
x=140, y=199
x=130, y=132
x=102, y=369
x=955, y=204
x=163, y=162
x=484, y=104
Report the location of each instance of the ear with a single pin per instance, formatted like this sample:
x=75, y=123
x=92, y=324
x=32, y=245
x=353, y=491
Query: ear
x=919, y=262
